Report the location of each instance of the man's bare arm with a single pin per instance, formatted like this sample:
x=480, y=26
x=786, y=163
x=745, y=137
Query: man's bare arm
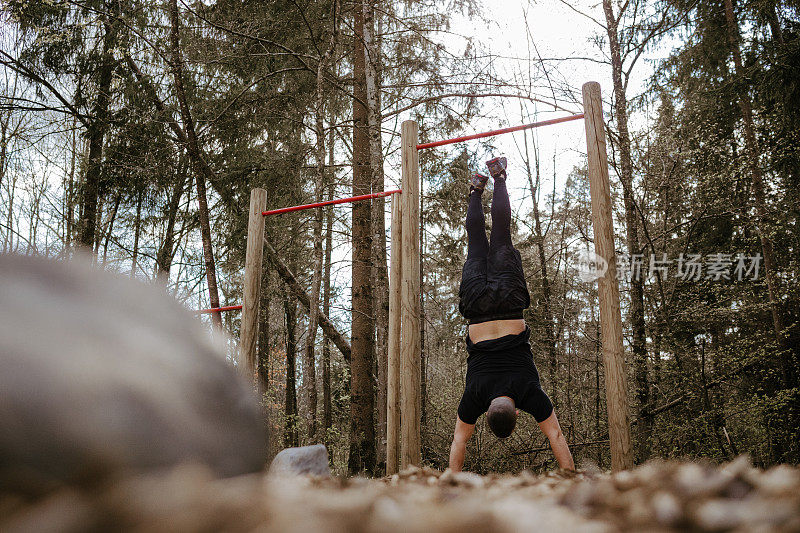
x=459, y=447
x=558, y=443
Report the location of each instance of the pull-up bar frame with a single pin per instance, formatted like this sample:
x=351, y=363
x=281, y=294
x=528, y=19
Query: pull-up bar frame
x=248, y=339
x=331, y=202
x=404, y=384
x=494, y=133
x=403, y=444
x=218, y=309
x=301, y=208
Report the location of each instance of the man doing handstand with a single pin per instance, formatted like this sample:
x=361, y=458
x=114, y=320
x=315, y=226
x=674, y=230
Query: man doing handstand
x=501, y=375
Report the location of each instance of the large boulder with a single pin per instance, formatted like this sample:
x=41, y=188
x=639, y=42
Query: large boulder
x=311, y=460
x=100, y=374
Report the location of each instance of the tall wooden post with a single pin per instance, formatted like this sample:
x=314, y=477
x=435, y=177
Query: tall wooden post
x=393, y=375
x=410, y=377
x=248, y=337
x=619, y=429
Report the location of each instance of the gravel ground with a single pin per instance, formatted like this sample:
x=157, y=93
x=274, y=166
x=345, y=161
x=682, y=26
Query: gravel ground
x=658, y=496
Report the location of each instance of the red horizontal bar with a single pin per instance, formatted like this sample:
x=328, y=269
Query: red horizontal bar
x=217, y=309
x=499, y=132
x=331, y=202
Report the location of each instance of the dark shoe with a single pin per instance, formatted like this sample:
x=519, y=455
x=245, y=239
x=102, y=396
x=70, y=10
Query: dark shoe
x=497, y=167
x=477, y=181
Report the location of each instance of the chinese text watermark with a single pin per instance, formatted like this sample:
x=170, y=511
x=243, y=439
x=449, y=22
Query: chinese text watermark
x=686, y=266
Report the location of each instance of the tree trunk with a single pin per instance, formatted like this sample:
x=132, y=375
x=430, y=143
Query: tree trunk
x=96, y=133
x=137, y=230
x=423, y=366
x=225, y=194
x=109, y=227
x=4, y=139
x=198, y=164
x=547, y=308
x=294, y=286
x=98, y=223
x=380, y=279
x=319, y=184
x=327, y=416
x=771, y=12
x=264, y=333
x=716, y=416
x=8, y=238
x=290, y=435
x=362, y=404
x=636, y=313
x=763, y=219
x=309, y=360
x=166, y=250
x=69, y=193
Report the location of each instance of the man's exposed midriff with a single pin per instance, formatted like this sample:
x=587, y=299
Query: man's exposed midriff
x=494, y=329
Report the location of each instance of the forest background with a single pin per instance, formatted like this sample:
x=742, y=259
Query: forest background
x=137, y=129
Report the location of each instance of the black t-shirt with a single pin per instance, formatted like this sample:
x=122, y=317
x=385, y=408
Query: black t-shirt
x=502, y=367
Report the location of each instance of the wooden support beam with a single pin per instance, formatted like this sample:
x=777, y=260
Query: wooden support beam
x=619, y=428
x=393, y=374
x=410, y=379
x=248, y=337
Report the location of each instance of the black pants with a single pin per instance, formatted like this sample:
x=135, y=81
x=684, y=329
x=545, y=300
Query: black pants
x=477, y=244
x=493, y=283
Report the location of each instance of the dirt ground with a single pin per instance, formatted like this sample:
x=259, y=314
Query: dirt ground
x=658, y=496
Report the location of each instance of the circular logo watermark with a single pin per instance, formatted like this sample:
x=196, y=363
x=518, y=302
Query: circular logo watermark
x=589, y=266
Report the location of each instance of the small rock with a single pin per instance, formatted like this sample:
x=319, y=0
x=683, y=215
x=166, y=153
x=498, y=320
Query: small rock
x=694, y=480
x=737, y=489
x=638, y=512
x=446, y=477
x=428, y=471
x=469, y=479
x=781, y=479
x=579, y=498
x=590, y=468
x=654, y=472
x=411, y=471
x=741, y=466
x=667, y=508
x=303, y=460
x=604, y=494
x=386, y=511
x=717, y=515
x=357, y=482
x=720, y=514
x=624, y=480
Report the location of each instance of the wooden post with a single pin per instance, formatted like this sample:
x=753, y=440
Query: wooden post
x=619, y=429
x=393, y=375
x=410, y=383
x=248, y=337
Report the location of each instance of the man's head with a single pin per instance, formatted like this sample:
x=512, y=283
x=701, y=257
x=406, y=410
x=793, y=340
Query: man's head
x=502, y=416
